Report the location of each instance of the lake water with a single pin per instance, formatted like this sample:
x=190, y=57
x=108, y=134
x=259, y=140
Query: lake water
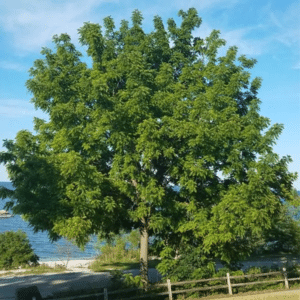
x=40, y=242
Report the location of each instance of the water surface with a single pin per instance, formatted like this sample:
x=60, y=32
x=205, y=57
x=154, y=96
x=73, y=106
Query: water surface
x=40, y=241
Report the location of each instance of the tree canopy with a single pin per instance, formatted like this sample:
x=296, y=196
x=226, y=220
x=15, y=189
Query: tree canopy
x=152, y=112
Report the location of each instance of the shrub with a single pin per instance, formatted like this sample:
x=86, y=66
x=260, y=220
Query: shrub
x=119, y=248
x=192, y=264
x=15, y=250
x=130, y=286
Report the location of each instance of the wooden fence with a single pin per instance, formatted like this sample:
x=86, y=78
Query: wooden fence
x=171, y=292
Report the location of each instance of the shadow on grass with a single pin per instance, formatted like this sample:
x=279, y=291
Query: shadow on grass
x=98, y=266
x=92, y=295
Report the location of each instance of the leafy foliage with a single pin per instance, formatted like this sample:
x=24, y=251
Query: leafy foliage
x=193, y=263
x=119, y=248
x=15, y=250
x=123, y=281
x=154, y=111
x=284, y=234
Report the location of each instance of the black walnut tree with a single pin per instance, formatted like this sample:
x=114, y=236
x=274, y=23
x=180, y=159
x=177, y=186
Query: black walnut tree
x=153, y=112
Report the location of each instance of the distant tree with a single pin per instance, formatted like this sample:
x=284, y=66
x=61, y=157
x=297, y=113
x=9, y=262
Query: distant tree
x=155, y=110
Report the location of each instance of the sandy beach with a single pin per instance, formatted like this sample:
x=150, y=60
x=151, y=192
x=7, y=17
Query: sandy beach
x=71, y=264
x=76, y=265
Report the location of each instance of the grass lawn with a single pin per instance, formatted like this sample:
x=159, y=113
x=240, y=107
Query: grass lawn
x=99, y=266
x=293, y=294
x=31, y=270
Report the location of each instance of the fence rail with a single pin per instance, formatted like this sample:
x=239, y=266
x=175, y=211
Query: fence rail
x=169, y=286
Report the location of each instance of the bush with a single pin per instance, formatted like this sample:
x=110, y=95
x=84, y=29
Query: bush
x=119, y=249
x=15, y=250
x=121, y=281
x=192, y=264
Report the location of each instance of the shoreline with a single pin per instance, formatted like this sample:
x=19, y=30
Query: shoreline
x=65, y=259
x=70, y=264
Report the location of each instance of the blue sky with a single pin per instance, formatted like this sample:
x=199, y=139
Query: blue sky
x=266, y=30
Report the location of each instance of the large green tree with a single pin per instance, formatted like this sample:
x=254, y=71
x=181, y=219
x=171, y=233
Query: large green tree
x=152, y=111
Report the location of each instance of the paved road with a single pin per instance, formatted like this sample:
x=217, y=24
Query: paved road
x=281, y=261
x=50, y=283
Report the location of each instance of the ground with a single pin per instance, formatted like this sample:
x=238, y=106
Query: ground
x=278, y=295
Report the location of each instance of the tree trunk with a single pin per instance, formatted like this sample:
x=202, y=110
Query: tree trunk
x=144, y=253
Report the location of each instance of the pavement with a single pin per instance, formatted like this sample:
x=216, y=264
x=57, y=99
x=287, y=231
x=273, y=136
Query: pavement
x=50, y=283
x=269, y=261
x=78, y=276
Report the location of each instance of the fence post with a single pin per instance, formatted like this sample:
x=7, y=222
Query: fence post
x=285, y=278
x=229, y=284
x=105, y=294
x=169, y=289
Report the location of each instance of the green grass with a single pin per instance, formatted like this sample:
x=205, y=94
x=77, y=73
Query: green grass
x=241, y=291
x=32, y=270
x=99, y=266
x=293, y=272
x=240, y=294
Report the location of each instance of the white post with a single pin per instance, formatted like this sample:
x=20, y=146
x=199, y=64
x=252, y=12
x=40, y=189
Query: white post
x=105, y=294
x=286, y=282
x=169, y=289
x=229, y=284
